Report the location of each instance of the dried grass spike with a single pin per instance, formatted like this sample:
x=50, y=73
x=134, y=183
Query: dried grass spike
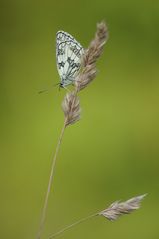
x=95, y=48
x=102, y=31
x=116, y=209
x=86, y=77
x=90, y=57
x=71, y=108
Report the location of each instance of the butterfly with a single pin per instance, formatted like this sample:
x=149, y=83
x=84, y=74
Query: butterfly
x=69, y=57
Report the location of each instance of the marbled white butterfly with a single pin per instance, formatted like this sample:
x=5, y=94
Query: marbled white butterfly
x=68, y=56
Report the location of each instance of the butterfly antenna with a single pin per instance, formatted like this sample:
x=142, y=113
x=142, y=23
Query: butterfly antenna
x=42, y=91
x=46, y=90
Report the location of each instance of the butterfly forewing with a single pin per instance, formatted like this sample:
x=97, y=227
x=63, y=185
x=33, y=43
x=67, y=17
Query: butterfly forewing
x=68, y=56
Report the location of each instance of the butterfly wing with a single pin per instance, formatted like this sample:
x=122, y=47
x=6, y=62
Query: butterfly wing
x=68, y=56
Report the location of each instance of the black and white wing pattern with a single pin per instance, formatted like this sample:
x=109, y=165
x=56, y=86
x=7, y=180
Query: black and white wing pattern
x=68, y=57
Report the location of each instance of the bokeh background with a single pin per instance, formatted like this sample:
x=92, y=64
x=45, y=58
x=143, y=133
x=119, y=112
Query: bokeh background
x=112, y=153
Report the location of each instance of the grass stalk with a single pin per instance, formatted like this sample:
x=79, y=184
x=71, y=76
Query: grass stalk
x=44, y=210
x=112, y=213
x=72, y=225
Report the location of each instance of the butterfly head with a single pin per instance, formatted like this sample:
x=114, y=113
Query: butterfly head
x=61, y=85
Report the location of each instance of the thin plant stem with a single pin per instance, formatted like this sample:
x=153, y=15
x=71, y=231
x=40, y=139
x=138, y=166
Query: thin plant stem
x=112, y=213
x=72, y=225
x=43, y=215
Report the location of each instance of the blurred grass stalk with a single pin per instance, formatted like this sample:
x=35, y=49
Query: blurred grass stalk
x=43, y=215
x=112, y=213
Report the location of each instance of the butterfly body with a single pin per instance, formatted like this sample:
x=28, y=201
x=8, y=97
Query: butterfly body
x=68, y=56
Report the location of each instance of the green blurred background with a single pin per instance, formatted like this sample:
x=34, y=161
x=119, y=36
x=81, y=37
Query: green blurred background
x=112, y=153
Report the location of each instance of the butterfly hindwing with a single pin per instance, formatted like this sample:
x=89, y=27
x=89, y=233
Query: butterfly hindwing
x=68, y=56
